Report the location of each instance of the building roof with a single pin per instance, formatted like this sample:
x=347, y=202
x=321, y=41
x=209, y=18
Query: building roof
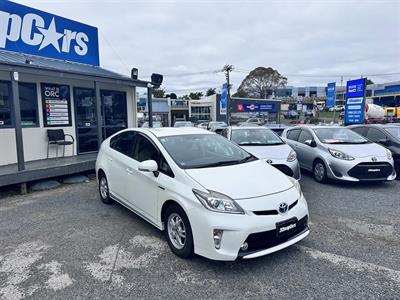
x=36, y=62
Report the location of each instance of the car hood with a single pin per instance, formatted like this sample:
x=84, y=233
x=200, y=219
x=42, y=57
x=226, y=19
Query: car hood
x=242, y=181
x=361, y=150
x=273, y=152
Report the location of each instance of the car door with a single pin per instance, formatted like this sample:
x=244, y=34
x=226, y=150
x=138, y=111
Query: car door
x=292, y=136
x=305, y=152
x=141, y=187
x=121, y=151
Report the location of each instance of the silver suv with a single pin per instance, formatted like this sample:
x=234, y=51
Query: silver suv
x=339, y=153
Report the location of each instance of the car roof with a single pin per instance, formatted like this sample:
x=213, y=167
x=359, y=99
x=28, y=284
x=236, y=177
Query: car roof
x=171, y=131
x=248, y=127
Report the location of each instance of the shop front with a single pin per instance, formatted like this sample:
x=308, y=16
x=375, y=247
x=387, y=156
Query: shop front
x=52, y=83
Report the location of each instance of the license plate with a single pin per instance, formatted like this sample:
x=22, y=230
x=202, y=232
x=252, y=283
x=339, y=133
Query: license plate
x=286, y=227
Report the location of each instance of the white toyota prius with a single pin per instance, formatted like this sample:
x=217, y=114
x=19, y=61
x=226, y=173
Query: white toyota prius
x=210, y=196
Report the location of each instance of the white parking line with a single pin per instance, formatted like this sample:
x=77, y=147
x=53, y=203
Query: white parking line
x=352, y=264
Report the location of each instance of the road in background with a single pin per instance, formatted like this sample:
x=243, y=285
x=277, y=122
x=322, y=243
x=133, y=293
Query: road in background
x=66, y=244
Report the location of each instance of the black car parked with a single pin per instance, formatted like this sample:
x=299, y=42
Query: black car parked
x=387, y=135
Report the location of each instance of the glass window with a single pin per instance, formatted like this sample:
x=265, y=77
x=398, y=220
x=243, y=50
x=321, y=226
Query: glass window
x=124, y=143
x=375, y=135
x=339, y=136
x=204, y=151
x=114, y=112
x=85, y=107
x=359, y=130
x=5, y=105
x=293, y=134
x=28, y=104
x=394, y=131
x=165, y=168
x=255, y=137
x=305, y=136
x=145, y=150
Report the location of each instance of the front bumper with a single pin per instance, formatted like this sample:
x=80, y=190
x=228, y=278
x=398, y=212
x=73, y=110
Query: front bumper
x=239, y=228
x=361, y=169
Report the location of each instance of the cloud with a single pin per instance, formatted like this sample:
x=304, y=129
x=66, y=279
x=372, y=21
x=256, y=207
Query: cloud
x=295, y=37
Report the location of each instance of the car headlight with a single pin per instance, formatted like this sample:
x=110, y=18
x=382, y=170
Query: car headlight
x=389, y=154
x=340, y=154
x=296, y=184
x=218, y=202
x=292, y=156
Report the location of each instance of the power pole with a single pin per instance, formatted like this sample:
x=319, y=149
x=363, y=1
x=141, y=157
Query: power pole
x=227, y=69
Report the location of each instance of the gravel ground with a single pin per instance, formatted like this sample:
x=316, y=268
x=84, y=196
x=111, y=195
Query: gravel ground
x=66, y=244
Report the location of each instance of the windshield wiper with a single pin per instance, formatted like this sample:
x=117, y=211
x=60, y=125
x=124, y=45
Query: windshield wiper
x=260, y=144
x=226, y=162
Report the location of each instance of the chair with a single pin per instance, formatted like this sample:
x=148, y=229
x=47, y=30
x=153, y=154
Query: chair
x=57, y=137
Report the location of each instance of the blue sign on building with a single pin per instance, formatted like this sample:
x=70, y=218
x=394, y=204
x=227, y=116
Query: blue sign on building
x=223, y=103
x=31, y=31
x=355, y=101
x=330, y=101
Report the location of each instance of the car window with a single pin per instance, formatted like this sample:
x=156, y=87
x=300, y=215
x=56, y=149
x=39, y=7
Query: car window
x=224, y=132
x=124, y=142
x=375, y=135
x=203, y=151
x=145, y=150
x=255, y=137
x=164, y=167
x=293, y=134
x=359, y=130
x=305, y=136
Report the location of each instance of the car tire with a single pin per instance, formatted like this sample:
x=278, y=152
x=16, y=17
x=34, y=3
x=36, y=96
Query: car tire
x=178, y=231
x=104, y=190
x=319, y=171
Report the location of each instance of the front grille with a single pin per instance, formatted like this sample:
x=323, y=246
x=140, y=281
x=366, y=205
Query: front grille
x=267, y=239
x=284, y=169
x=273, y=211
x=371, y=171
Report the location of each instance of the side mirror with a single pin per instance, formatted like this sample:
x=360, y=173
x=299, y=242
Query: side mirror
x=148, y=166
x=385, y=142
x=311, y=143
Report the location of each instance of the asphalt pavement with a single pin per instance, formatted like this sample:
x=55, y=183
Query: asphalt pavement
x=66, y=244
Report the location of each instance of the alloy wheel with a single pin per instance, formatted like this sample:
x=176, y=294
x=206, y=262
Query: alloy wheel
x=103, y=188
x=176, y=231
x=319, y=171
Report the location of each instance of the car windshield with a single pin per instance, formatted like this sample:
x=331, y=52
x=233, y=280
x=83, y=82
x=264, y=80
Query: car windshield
x=339, y=136
x=183, y=124
x=204, y=151
x=394, y=131
x=255, y=137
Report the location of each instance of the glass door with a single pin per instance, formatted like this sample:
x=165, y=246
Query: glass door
x=114, y=112
x=86, y=120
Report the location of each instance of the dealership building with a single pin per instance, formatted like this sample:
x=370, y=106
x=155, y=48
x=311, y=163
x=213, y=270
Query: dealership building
x=56, y=103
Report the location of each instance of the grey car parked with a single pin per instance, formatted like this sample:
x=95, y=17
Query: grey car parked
x=339, y=153
x=265, y=144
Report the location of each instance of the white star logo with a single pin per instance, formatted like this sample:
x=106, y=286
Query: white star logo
x=50, y=36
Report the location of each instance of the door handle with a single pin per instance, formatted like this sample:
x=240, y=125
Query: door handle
x=129, y=171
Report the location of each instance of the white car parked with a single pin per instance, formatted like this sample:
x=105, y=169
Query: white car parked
x=210, y=196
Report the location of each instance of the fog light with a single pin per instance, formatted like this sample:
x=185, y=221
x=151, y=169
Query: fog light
x=244, y=246
x=217, y=238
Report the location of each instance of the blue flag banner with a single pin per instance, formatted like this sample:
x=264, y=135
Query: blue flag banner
x=330, y=95
x=223, y=103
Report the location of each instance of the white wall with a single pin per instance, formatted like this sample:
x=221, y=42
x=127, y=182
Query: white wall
x=35, y=139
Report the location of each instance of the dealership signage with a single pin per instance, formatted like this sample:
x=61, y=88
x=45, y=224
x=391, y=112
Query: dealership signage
x=223, y=103
x=56, y=105
x=355, y=101
x=330, y=99
x=31, y=31
x=256, y=107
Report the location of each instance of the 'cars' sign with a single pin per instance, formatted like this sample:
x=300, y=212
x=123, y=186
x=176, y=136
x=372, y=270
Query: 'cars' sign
x=31, y=31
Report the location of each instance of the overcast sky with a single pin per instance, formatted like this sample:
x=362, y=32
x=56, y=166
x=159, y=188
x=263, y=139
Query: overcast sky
x=303, y=40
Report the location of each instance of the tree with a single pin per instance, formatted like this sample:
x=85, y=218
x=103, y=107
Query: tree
x=369, y=81
x=195, y=95
x=260, y=83
x=210, y=92
x=158, y=93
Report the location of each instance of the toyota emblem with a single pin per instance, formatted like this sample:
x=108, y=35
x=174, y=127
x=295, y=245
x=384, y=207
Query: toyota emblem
x=374, y=159
x=283, y=208
x=269, y=161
